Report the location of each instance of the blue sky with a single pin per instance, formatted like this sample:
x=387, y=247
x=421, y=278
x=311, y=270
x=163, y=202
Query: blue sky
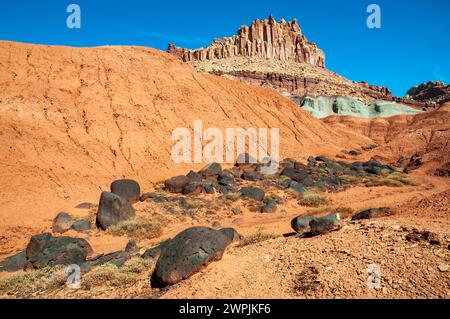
x=413, y=45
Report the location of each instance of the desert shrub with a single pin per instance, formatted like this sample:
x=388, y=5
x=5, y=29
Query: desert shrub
x=190, y=204
x=312, y=199
x=233, y=196
x=25, y=284
x=405, y=180
x=349, y=179
x=274, y=197
x=110, y=275
x=256, y=237
x=137, y=228
x=384, y=181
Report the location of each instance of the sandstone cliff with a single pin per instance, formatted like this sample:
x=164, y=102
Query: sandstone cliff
x=265, y=39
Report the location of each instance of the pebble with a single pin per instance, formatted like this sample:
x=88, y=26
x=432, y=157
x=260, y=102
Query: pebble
x=444, y=267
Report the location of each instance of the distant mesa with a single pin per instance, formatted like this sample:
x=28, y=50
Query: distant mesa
x=267, y=38
x=433, y=92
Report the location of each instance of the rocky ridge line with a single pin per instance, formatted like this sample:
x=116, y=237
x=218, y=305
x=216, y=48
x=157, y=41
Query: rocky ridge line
x=265, y=39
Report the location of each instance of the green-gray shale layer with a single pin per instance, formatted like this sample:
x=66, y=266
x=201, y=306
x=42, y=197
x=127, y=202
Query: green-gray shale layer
x=324, y=106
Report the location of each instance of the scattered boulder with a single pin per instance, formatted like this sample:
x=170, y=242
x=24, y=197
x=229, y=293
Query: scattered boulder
x=45, y=250
x=62, y=223
x=216, y=225
x=325, y=224
x=194, y=177
x=193, y=188
x=14, y=263
x=231, y=234
x=176, y=184
x=226, y=178
x=127, y=189
x=372, y=213
x=155, y=252
x=252, y=176
x=316, y=225
x=235, y=210
x=213, y=169
x=296, y=175
x=187, y=253
x=269, y=207
x=82, y=226
x=252, y=192
x=113, y=209
x=300, y=224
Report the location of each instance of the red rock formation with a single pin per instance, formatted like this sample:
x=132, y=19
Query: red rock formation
x=433, y=92
x=265, y=39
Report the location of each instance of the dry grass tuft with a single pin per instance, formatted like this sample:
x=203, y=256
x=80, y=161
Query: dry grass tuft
x=256, y=237
x=109, y=275
x=312, y=199
x=138, y=228
x=28, y=283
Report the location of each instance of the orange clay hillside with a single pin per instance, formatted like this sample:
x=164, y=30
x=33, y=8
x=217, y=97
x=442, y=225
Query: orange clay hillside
x=72, y=120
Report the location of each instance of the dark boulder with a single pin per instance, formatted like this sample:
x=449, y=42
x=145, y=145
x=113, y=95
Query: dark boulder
x=226, y=178
x=187, y=253
x=45, y=250
x=372, y=213
x=113, y=209
x=14, y=263
x=252, y=176
x=316, y=225
x=270, y=207
x=82, y=226
x=194, y=177
x=322, y=159
x=297, y=187
x=236, y=171
x=231, y=234
x=155, y=252
x=252, y=192
x=193, y=188
x=62, y=223
x=176, y=184
x=294, y=174
x=127, y=189
x=235, y=211
x=300, y=224
x=325, y=224
x=213, y=169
